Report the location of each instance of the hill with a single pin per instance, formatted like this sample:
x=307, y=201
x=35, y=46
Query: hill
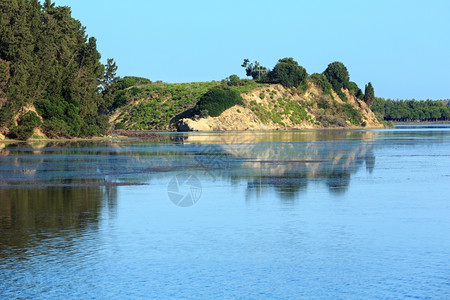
x=163, y=106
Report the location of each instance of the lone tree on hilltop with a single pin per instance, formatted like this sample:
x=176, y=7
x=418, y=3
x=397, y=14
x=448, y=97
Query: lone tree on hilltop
x=337, y=75
x=288, y=72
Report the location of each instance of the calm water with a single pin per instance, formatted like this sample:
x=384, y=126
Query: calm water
x=310, y=215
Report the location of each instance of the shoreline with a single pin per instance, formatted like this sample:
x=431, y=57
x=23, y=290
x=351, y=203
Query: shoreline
x=155, y=135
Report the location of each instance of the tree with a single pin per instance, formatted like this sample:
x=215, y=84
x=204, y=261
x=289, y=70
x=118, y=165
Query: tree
x=369, y=94
x=255, y=70
x=110, y=72
x=109, y=84
x=45, y=54
x=288, y=73
x=337, y=75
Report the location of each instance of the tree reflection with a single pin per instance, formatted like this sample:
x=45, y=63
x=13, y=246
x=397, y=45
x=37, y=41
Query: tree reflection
x=34, y=217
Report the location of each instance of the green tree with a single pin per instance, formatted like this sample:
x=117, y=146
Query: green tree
x=369, y=94
x=337, y=75
x=255, y=70
x=49, y=56
x=109, y=84
x=288, y=72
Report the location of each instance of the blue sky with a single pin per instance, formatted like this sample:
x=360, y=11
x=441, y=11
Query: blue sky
x=402, y=47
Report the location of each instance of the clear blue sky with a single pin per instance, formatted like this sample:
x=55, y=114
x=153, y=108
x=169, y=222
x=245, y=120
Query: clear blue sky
x=402, y=47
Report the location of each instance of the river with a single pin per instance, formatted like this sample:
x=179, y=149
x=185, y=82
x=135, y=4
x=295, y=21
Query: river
x=324, y=214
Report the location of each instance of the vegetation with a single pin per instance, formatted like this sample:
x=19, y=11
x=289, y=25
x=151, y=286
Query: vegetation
x=322, y=82
x=288, y=73
x=337, y=74
x=369, y=96
x=26, y=125
x=48, y=63
x=129, y=81
x=47, y=60
x=410, y=110
x=217, y=100
x=156, y=105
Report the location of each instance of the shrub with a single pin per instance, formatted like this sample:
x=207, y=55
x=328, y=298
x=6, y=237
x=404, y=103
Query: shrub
x=60, y=117
x=323, y=103
x=262, y=96
x=355, y=90
x=351, y=114
x=25, y=126
x=322, y=82
x=217, y=100
x=129, y=81
x=120, y=99
x=234, y=80
x=135, y=91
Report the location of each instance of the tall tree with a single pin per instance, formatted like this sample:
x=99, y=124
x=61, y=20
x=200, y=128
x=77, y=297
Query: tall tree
x=50, y=62
x=369, y=94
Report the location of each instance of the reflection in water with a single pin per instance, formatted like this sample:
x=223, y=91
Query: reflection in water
x=62, y=232
x=31, y=218
x=285, y=161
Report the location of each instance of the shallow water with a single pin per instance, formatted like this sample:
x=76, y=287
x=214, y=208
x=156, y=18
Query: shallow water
x=300, y=214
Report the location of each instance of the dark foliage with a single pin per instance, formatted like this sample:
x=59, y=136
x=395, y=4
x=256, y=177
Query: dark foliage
x=355, y=90
x=46, y=54
x=25, y=126
x=337, y=75
x=410, y=110
x=288, y=73
x=369, y=94
x=217, y=100
x=322, y=82
x=129, y=81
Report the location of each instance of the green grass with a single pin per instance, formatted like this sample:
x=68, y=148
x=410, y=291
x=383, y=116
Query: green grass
x=160, y=102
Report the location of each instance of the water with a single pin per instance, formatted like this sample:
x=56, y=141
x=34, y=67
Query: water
x=303, y=214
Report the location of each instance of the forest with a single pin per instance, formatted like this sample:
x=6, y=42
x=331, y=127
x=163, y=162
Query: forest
x=50, y=73
x=411, y=110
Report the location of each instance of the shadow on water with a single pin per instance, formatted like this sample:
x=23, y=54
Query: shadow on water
x=51, y=218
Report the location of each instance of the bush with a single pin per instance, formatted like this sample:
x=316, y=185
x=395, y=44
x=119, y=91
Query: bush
x=351, y=114
x=234, y=80
x=323, y=103
x=355, y=90
x=322, y=82
x=120, y=99
x=60, y=117
x=217, y=100
x=135, y=91
x=129, y=81
x=25, y=126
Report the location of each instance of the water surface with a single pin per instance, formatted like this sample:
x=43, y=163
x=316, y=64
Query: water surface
x=300, y=214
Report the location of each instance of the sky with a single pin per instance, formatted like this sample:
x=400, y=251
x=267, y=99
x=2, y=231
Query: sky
x=402, y=47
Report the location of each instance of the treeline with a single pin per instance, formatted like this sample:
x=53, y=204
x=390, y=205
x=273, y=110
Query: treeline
x=410, y=110
x=290, y=74
x=48, y=62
